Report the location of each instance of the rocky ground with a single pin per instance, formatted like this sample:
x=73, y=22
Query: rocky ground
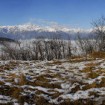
x=59, y=82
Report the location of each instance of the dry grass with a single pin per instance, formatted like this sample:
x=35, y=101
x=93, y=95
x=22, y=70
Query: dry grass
x=93, y=75
x=92, y=64
x=78, y=102
x=98, y=55
x=96, y=84
x=55, y=62
x=87, y=69
x=82, y=59
x=9, y=66
x=1, y=83
x=44, y=80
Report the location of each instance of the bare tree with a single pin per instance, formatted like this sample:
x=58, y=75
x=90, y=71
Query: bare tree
x=39, y=49
x=99, y=30
x=86, y=45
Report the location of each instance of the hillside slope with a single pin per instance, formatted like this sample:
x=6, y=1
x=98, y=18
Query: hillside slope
x=74, y=82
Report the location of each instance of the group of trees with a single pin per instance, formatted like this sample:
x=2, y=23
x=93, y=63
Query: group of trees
x=96, y=41
x=37, y=50
x=99, y=30
x=56, y=48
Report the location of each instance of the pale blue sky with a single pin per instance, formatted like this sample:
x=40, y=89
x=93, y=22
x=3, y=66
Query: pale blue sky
x=76, y=13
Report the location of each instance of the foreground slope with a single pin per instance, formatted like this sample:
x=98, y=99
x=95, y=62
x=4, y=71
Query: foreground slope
x=64, y=82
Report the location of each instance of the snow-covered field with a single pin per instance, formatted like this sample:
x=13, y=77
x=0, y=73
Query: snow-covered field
x=63, y=82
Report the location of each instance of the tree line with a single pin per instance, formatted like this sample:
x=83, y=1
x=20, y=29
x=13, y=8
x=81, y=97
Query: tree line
x=55, y=48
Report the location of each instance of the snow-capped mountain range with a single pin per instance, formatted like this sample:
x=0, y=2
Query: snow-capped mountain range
x=29, y=31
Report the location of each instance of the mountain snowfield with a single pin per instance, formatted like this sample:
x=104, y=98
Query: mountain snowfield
x=29, y=31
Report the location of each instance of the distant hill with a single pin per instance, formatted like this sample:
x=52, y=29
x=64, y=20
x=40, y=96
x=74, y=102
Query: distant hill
x=4, y=39
x=30, y=31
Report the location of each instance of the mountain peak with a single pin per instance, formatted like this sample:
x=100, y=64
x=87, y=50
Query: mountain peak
x=32, y=31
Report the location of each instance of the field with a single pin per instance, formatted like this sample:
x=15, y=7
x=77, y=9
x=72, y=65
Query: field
x=57, y=82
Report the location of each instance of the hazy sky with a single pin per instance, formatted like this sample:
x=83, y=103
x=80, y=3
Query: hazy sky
x=76, y=13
